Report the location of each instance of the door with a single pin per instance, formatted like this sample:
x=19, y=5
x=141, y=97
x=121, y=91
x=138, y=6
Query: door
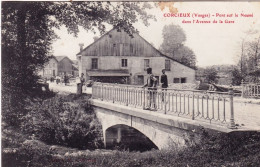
x=140, y=79
x=53, y=72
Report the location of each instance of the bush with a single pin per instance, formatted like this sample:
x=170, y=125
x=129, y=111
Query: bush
x=68, y=121
x=14, y=104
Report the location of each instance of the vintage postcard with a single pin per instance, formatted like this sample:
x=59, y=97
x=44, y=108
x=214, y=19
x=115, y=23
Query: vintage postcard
x=115, y=83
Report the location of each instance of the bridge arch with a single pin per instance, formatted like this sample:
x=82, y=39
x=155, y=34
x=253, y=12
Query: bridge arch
x=161, y=135
x=127, y=137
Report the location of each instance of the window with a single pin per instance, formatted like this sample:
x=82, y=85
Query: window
x=124, y=62
x=183, y=80
x=176, y=80
x=140, y=79
x=94, y=63
x=167, y=65
x=179, y=80
x=146, y=64
x=53, y=64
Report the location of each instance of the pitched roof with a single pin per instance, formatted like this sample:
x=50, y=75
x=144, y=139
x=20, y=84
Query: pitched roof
x=168, y=57
x=75, y=61
x=95, y=41
x=145, y=41
x=59, y=58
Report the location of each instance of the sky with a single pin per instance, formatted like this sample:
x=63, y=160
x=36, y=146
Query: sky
x=212, y=43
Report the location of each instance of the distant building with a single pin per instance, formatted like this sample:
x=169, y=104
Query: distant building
x=75, y=68
x=50, y=68
x=58, y=66
x=119, y=58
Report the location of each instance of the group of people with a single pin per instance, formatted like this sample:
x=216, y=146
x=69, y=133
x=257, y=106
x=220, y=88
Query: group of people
x=152, y=84
x=63, y=79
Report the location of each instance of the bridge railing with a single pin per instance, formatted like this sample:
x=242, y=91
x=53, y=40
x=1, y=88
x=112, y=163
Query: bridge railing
x=200, y=105
x=250, y=90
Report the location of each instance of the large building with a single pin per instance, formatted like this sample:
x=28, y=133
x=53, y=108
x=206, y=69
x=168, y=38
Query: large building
x=119, y=58
x=58, y=66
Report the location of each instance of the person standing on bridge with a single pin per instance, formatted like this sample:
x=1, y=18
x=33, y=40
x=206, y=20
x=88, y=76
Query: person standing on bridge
x=164, y=82
x=152, y=89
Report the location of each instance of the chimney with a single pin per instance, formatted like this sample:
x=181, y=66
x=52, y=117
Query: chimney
x=95, y=38
x=81, y=46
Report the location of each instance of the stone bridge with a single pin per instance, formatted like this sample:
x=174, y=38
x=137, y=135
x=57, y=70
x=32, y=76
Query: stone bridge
x=124, y=115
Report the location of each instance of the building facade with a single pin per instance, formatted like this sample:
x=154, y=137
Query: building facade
x=119, y=58
x=50, y=68
x=58, y=66
x=64, y=65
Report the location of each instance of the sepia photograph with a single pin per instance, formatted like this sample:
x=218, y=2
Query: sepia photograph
x=130, y=84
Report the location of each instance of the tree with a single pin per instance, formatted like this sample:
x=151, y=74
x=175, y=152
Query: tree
x=236, y=77
x=27, y=35
x=173, y=45
x=186, y=56
x=173, y=38
x=211, y=75
x=250, y=50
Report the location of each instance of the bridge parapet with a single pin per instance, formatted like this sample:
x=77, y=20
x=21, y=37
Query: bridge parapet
x=194, y=104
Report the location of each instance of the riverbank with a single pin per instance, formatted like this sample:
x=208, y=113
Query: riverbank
x=241, y=152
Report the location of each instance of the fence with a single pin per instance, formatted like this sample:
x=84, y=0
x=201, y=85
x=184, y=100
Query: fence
x=200, y=105
x=250, y=90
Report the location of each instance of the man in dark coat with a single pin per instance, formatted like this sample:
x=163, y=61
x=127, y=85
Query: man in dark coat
x=164, y=82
